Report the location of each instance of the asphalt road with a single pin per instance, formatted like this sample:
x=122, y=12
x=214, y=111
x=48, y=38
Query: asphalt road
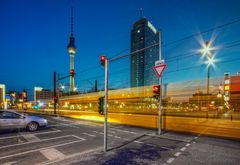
x=73, y=141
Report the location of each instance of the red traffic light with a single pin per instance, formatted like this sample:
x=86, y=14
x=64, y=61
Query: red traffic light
x=72, y=72
x=156, y=89
x=103, y=58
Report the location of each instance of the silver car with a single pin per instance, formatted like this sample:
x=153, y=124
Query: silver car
x=12, y=120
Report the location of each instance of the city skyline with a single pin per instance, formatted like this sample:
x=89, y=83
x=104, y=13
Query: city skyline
x=37, y=55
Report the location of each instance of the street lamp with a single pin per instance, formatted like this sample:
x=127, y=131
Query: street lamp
x=62, y=87
x=206, y=51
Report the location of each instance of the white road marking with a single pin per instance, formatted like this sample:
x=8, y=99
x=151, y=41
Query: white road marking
x=170, y=160
x=138, y=141
x=47, y=132
x=194, y=142
x=110, y=135
x=10, y=163
x=31, y=138
x=183, y=149
x=112, y=132
x=88, y=134
x=177, y=154
x=188, y=144
x=52, y=153
x=117, y=137
x=77, y=122
x=70, y=156
x=196, y=137
x=123, y=131
x=98, y=132
x=12, y=145
x=126, y=139
x=68, y=125
x=80, y=138
x=30, y=151
x=38, y=133
x=9, y=137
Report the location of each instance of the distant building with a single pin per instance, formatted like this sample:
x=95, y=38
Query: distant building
x=202, y=101
x=42, y=94
x=12, y=98
x=23, y=96
x=233, y=90
x=15, y=97
x=2, y=95
x=143, y=34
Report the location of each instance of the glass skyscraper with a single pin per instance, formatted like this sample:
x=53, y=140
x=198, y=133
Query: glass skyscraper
x=143, y=34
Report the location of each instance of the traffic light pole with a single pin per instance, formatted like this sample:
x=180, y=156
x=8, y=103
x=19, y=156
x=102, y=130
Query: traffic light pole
x=106, y=105
x=160, y=83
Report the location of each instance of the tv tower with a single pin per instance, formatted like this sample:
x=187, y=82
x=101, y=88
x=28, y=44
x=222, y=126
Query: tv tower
x=71, y=50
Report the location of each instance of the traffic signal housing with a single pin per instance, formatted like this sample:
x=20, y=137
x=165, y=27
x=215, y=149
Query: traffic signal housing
x=103, y=58
x=72, y=72
x=101, y=105
x=156, y=91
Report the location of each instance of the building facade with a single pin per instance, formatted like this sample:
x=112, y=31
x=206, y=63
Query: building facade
x=2, y=94
x=41, y=94
x=12, y=98
x=143, y=34
x=232, y=91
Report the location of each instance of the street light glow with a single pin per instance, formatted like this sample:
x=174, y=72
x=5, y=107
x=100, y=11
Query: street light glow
x=207, y=48
x=210, y=61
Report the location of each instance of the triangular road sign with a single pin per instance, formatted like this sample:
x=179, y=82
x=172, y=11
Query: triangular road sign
x=159, y=69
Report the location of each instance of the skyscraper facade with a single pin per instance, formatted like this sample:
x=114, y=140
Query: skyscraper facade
x=143, y=34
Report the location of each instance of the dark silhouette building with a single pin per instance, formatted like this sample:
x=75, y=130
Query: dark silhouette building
x=143, y=34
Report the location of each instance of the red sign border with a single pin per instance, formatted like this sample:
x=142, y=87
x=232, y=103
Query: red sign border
x=162, y=65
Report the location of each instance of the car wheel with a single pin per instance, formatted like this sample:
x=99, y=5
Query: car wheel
x=32, y=126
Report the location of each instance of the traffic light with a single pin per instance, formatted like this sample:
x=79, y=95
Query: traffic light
x=55, y=98
x=103, y=58
x=72, y=72
x=156, y=91
x=101, y=105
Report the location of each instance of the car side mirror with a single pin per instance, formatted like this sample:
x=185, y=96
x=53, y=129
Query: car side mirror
x=23, y=117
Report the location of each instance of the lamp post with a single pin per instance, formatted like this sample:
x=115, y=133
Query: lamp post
x=206, y=51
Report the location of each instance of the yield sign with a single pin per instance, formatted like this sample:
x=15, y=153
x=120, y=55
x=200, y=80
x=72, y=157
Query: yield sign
x=159, y=69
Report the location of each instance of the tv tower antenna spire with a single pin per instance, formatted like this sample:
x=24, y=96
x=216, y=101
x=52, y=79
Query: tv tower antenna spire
x=71, y=50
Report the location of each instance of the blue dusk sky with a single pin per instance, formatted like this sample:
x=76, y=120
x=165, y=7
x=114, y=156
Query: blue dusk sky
x=34, y=35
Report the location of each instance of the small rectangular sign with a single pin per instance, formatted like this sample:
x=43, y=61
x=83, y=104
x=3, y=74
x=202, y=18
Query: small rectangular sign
x=159, y=62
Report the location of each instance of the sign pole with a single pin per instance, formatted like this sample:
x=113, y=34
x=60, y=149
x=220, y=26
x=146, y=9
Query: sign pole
x=106, y=105
x=160, y=83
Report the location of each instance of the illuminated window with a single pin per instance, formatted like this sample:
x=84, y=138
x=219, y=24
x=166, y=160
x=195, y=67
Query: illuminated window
x=226, y=81
x=226, y=87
